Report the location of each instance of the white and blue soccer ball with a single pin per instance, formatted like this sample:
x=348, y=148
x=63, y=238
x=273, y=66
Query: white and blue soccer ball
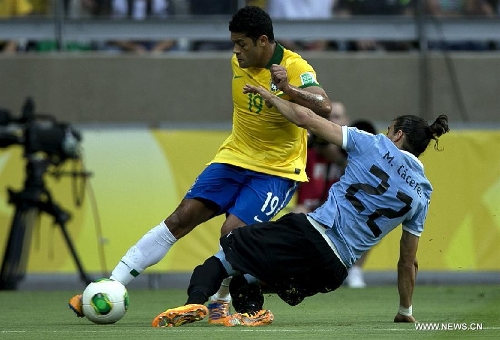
x=105, y=301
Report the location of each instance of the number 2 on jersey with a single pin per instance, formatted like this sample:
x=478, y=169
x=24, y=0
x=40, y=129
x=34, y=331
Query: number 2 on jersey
x=379, y=190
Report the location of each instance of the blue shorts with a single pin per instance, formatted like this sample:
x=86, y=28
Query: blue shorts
x=251, y=196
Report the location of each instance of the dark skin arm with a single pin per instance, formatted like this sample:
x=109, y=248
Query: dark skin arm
x=407, y=273
x=312, y=97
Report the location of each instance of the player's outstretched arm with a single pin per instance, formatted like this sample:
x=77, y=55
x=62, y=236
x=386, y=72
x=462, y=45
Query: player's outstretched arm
x=407, y=273
x=300, y=115
x=313, y=97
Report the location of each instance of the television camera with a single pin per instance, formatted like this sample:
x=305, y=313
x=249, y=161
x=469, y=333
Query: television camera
x=46, y=142
x=39, y=133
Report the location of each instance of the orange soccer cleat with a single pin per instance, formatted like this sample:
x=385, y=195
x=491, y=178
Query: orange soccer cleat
x=179, y=316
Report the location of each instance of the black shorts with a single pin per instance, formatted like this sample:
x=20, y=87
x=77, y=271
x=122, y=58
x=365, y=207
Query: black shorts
x=287, y=251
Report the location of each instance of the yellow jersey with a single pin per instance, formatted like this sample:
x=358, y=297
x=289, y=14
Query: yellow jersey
x=261, y=139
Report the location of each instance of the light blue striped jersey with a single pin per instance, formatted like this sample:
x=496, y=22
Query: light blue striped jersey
x=382, y=188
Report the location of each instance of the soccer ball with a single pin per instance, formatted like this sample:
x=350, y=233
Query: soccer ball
x=105, y=301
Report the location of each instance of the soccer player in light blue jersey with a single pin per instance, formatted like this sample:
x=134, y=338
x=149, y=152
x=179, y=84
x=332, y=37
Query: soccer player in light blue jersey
x=300, y=255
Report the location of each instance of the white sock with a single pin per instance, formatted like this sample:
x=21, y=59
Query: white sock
x=223, y=292
x=149, y=250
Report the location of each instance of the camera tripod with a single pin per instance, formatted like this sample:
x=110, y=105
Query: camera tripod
x=30, y=202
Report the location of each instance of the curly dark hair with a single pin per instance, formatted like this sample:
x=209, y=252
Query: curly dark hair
x=418, y=133
x=253, y=21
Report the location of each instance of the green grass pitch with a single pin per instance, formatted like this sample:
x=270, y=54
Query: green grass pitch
x=343, y=314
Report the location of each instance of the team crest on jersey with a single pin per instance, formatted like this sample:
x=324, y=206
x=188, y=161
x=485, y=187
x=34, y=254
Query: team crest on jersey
x=307, y=78
x=273, y=86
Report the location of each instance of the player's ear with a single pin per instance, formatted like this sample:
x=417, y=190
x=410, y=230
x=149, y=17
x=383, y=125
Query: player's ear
x=263, y=40
x=398, y=136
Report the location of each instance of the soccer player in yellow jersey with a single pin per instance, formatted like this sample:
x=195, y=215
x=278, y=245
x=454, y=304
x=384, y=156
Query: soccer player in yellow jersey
x=256, y=170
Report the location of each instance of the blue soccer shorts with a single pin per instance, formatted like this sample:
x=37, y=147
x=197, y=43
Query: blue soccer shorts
x=249, y=195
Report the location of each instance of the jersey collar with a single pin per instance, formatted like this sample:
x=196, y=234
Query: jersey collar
x=414, y=157
x=277, y=56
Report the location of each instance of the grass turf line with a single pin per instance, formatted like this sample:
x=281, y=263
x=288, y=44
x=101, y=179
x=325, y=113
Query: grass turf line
x=343, y=314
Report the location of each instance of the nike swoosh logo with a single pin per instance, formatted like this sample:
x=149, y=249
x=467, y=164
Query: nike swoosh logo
x=237, y=76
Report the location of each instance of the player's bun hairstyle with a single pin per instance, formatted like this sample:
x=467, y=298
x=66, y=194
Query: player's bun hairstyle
x=253, y=21
x=418, y=133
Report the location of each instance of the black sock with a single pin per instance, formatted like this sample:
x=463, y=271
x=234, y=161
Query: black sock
x=197, y=297
x=247, y=297
x=205, y=281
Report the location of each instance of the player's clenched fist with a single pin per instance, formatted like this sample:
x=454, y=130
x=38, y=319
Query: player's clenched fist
x=279, y=76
